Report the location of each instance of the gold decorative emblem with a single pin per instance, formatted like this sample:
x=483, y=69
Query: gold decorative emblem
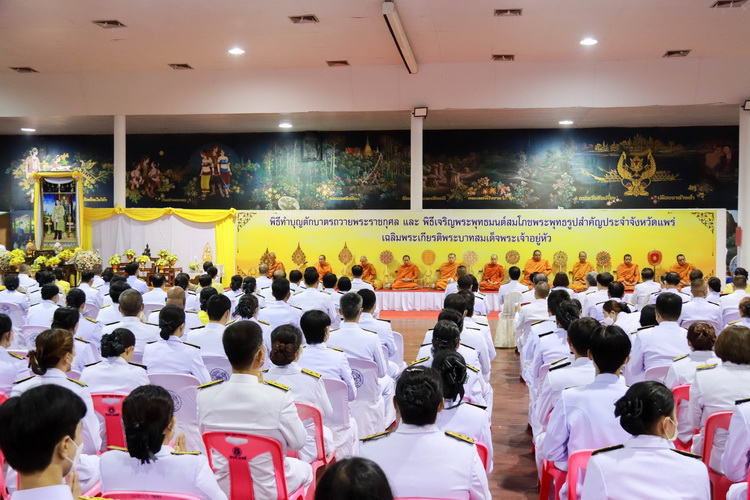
x=637, y=175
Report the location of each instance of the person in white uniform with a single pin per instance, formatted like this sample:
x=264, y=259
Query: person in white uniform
x=235, y=291
x=646, y=465
x=24, y=279
x=250, y=287
x=280, y=312
x=310, y=298
x=131, y=306
x=535, y=310
x=208, y=337
x=732, y=300
x=92, y=294
x=353, y=477
x=89, y=329
x=157, y=294
x=600, y=295
x=247, y=404
x=736, y=458
x=699, y=308
x=618, y=313
x=170, y=354
x=149, y=463
x=717, y=387
x=554, y=345
x=671, y=282
x=329, y=285
x=131, y=269
x=192, y=301
x=263, y=281
x=12, y=366
x=418, y=442
x=85, y=352
x=50, y=417
x=176, y=296
x=11, y=295
x=357, y=283
x=616, y=292
x=115, y=373
x=247, y=310
x=642, y=291
x=40, y=314
x=514, y=273
x=369, y=322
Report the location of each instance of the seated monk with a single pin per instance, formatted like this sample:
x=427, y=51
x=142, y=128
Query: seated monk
x=447, y=271
x=535, y=265
x=628, y=273
x=274, y=265
x=369, y=273
x=682, y=268
x=492, y=275
x=580, y=270
x=323, y=267
x=406, y=276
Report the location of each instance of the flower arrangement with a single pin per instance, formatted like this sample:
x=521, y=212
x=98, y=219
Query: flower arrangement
x=142, y=259
x=129, y=254
x=163, y=254
x=66, y=254
x=171, y=258
x=17, y=257
x=86, y=259
x=161, y=263
x=193, y=266
x=512, y=257
x=40, y=261
x=53, y=261
x=603, y=259
x=114, y=260
x=4, y=259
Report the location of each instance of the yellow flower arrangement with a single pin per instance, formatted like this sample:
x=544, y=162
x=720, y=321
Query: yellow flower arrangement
x=130, y=253
x=40, y=261
x=53, y=261
x=161, y=263
x=163, y=254
x=66, y=254
x=114, y=260
x=142, y=259
x=171, y=258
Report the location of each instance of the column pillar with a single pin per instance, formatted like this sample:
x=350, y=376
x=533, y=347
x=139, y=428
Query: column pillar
x=743, y=199
x=120, y=171
x=417, y=125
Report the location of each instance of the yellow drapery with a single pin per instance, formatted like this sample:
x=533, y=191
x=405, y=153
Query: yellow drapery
x=223, y=221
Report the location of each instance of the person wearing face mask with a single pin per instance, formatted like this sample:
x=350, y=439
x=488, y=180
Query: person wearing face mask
x=618, y=313
x=646, y=466
x=47, y=418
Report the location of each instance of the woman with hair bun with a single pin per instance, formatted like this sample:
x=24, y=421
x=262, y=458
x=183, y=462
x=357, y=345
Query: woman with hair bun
x=235, y=291
x=250, y=287
x=353, y=479
x=171, y=354
x=744, y=313
x=459, y=415
x=646, y=466
x=306, y=386
x=619, y=313
x=116, y=373
x=150, y=463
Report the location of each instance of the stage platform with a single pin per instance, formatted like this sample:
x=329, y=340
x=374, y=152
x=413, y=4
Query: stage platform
x=423, y=300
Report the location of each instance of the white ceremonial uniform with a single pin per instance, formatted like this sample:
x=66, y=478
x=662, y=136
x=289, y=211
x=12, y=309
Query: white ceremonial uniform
x=85, y=354
x=97, y=281
x=511, y=286
x=358, y=284
x=643, y=291
x=468, y=419
x=629, y=322
x=90, y=432
x=243, y=404
x=684, y=296
x=716, y=388
x=736, y=457
x=35, y=296
x=137, y=284
x=450, y=288
x=472, y=338
x=359, y=343
x=191, y=319
x=92, y=295
x=263, y=282
x=192, y=301
x=714, y=297
x=531, y=342
x=552, y=346
x=27, y=282
x=655, y=346
x=155, y=296
x=330, y=362
x=597, y=312
x=405, y=453
x=382, y=328
x=171, y=472
x=208, y=338
x=280, y=313
x=61, y=492
x=175, y=356
x=234, y=297
x=700, y=309
x=571, y=293
x=645, y=467
x=144, y=332
x=533, y=311
x=732, y=300
x=12, y=367
x=741, y=322
x=311, y=298
x=477, y=390
x=578, y=372
x=90, y=329
x=471, y=357
x=682, y=372
x=41, y=314
x=470, y=323
x=114, y=376
x=480, y=304
x=336, y=299
x=591, y=299
x=103, y=288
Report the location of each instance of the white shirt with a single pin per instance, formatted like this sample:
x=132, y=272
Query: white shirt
x=144, y=332
x=642, y=292
x=311, y=298
x=92, y=295
x=480, y=323
x=732, y=300
x=736, y=456
x=85, y=354
x=629, y=322
x=155, y=296
x=137, y=284
x=191, y=319
x=645, y=467
x=97, y=281
x=409, y=451
x=12, y=367
x=358, y=284
x=61, y=492
x=684, y=296
x=655, y=346
x=91, y=330
x=552, y=346
x=175, y=356
x=562, y=376
x=476, y=389
x=472, y=338
x=591, y=299
x=532, y=311
x=480, y=305
x=209, y=339
x=468, y=419
x=330, y=362
x=15, y=297
x=382, y=328
x=360, y=344
x=41, y=314
x=192, y=301
x=172, y=472
x=280, y=313
x=700, y=309
x=511, y=286
x=114, y=376
x=109, y=314
x=471, y=357
x=27, y=282
x=597, y=311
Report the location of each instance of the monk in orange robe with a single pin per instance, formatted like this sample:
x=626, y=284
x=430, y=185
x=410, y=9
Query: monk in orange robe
x=323, y=267
x=406, y=276
x=369, y=274
x=492, y=275
x=628, y=273
x=535, y=265
x=274, y=265
x=683, y=268
x=580, y=270
x=447, y=271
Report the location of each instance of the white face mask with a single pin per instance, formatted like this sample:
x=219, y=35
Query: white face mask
x=674, y=436
x=76, y=458
x=608, y=321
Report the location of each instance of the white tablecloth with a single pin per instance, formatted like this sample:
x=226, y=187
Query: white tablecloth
x=423, y=300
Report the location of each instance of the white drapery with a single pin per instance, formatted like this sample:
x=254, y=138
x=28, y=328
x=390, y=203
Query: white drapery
x=423, y=301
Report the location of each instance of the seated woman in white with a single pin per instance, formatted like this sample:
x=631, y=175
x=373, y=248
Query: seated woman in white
x=12, y=366
x=149, y=463
x=115, y=374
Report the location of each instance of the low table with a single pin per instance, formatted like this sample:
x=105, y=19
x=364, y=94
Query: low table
x=424, y=300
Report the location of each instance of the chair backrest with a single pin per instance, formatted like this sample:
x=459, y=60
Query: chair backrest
x=184, y=391
x=150, y=307
x=398, y=356
x=109, y=406
x=29, y=334
x=145, y=495
x=484, y=453
x=657, y=373
x=681, y=393
x=218, y=366
x=137, y=358
x=729, y=315
x=338, y=394
x=719, y=420
x=365, y=374
x=239, y=450
x=90, y=310
x=307, y=412
x=15, y=312
x=576, y=463
x=510, y=304
x=688, y=323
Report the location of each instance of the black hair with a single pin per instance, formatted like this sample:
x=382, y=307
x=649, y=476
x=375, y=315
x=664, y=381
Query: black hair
x=11, y=282
x=115, y=343
x=344, y=284
x=58, y=272
x=610, y=347
x=182, y=280
x=445, y=336
x=604, y=279
x=204, y=280
x=205, y=296
x=116, y=278
x=170, y=319
x=329, y=280
x=246, y=306
x=740, y=271
x=454, y=316
x=643, y=405
x=6, y=324
x=514, y=273
x=38, y=420
x=157, y=280
x=648, y=316
x=107, y=274
x=206, y=265
x=567, y=313
x=236, y=282
x=561, y=279
x=285, y=342
x=350, y=305
x=647, y=274
x=66, y=318
x=44, y=277
x=314, y=324
x=311, y=276
x=50, y=291
x=470, y=299
x=616, y=290
x=554, y=299
x=464, y=282
x=357, y=271
x=280, y=288
x=212, y=271
x=146, y=414
x=369, y=299
x=131, y=302
x=669, y=306
x=217, y=305
x=613, y=305
x=580, y=332
x=295, y=275
x=116, y=289
x=354, y=478
x=249, y=284
x=242, y=340
x=672, y=278
x=695, y=274
x=451, y=366
x=131, y=268
x=419, y=392
x=714, y=284
x=87, y=275
x=456, y=302
x=75, y=298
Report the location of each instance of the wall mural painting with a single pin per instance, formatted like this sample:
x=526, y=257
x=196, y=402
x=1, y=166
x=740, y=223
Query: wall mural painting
x=289, y=171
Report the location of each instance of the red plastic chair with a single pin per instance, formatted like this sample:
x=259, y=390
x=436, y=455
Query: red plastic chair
x=719, y=482
x=109, y=406
x=748, y=482
x=239, y=456
x=576, y=463
x=484, y=453
x=682, y=393
x=146, y=495
x=307, y=412
x=551, y=473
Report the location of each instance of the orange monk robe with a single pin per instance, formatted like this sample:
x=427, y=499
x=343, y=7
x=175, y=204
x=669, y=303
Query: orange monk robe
x=447, y=271
x=684, y=272
x=494, y=273
x=368, y=272
x=323, y=270
x=628, y=273
x=274, y=267
x=410, y=272
x=579, y=274
x=533, y=266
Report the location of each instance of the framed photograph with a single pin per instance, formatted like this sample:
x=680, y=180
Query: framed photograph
x=57, y=210
x=311, y=148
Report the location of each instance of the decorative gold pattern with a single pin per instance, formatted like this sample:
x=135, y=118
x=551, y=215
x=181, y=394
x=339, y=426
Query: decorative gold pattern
x=636, y=176
x=298, y=257
x=243, y=218
x=708, y=219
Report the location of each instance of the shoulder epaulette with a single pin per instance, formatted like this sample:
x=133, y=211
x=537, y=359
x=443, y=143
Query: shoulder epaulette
x=152, y=324
x=336, y=349
x=24, y=379
x=152, y=342
x=340, y=292
x=92, y=364
x=157, y=310
x=117, y=448
x=138, y=365
x=283, y=387
x=108, y=305
x=602, y=302
x=419, y=361
x=707, y=367
x=733, y=322
x=91, y=319
x=557, y=361
x=192, y=345
x=467, y=346
x=210, y=384
x=472, y=328
x=371, y=331
x=113, y=323
x=608, y=448
x=311, y=373
x=680, y=357
x=479, y=323
x=265, y=370
x=473, y=368
x=186, y=453
x=477, y=405
x=77, y=382
x=713, y=303
x=374, y=436
x=424, y=345
x=561, y=365
x=264, y=322
x=645, y=327
x=295, y=307
x=460, y=437
x=544, y=334
x=297, y=292
x=80, y=339
x=191, y=292
x=741, y=401
x=186, y=312
x=480, y=297
x=230, y=322
x=686, y=453
x=385, y=320
x=723, y=294
x=335, y=330
x=197, y=327
x=17, y=356
x=32, y=305
x=323, y=291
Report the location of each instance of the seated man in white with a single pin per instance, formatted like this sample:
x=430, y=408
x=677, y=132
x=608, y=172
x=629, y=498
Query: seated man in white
x=311, y=298
x=671, y=285
x=514, y=273
x=157, y=295
x=642, y=292
x=41, y=314
x=131, y=306
x=699, y=308
x=92, y=294
x=131, y=269
x=357, y=282
x=208, y=337
x=280, y=312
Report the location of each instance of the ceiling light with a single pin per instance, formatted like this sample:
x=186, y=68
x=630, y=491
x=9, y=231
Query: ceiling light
x=285, y=125
x=508, y=12
x=565, y=122
x=26, y=129
x=236, y=51
x=676, y=53
x=23, y=69
x=420, y=112
x=334, y=64
x=399, y=36
x=180, y=66
x=109, y=24
x=746, y=106
x=305, y=19
x=589, y=41
x=503, y=57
